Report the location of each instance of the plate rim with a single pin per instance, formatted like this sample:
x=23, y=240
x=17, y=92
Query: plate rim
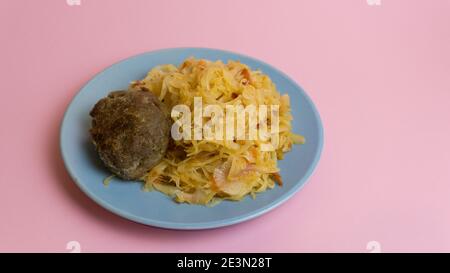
x=203, y=225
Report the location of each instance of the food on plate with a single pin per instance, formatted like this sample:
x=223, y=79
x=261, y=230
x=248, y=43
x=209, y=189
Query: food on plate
x=133, y=132
x=130, y=130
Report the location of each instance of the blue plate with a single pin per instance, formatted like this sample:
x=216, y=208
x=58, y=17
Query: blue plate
x=154, y=208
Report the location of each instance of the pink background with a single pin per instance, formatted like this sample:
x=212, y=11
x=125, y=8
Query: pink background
x=379, y=75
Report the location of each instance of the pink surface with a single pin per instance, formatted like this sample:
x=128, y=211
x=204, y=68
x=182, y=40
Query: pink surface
x=379, y=75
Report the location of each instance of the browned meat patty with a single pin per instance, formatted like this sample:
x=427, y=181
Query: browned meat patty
x=130, y=130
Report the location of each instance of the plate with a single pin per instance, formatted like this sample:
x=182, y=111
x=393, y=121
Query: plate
x=128, y=200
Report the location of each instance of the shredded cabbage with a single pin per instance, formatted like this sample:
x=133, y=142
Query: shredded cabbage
x=208, y=171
